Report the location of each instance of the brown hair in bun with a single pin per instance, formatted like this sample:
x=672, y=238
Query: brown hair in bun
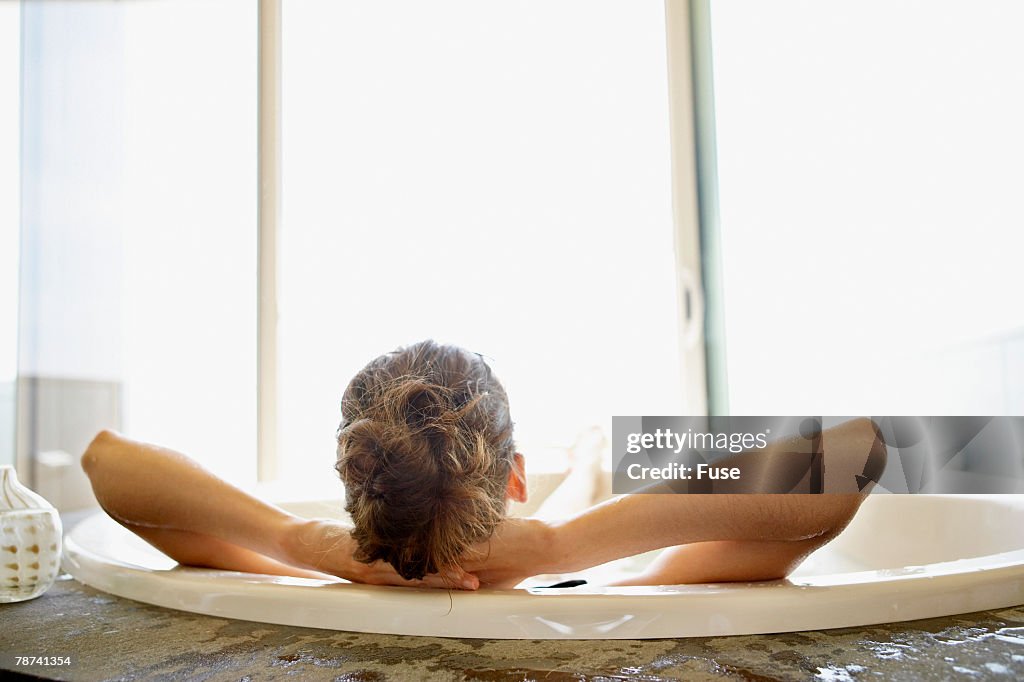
x=424, y=450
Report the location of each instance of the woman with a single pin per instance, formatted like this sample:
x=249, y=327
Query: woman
x=426, y=453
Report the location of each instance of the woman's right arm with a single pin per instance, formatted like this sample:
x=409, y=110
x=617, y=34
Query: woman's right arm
x=196, y=518
x=144, y=486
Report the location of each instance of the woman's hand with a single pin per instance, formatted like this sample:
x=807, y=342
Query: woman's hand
x=327, y=546
x=518, y=549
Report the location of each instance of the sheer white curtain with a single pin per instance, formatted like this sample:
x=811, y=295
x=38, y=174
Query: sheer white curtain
x=138, y=222
x=10, y=70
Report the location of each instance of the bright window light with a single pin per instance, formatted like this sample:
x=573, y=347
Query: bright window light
x=494, y=175
x=870, y=182
x=190, y=229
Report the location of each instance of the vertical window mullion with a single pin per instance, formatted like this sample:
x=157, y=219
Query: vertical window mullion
x=687, y=202
x=269, y=213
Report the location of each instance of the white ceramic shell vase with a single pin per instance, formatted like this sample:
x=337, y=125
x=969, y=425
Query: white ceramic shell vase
x=30, y=540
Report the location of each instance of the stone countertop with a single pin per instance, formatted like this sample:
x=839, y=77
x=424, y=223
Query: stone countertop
x=110, y=638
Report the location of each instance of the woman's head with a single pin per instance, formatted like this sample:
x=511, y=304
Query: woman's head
x=426, y=454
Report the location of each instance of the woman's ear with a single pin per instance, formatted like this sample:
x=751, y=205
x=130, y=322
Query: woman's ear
x=517, y=479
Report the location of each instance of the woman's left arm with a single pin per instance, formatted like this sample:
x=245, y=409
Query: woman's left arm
x=716, y=537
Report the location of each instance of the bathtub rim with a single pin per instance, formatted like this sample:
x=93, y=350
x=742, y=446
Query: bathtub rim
x=597, y=612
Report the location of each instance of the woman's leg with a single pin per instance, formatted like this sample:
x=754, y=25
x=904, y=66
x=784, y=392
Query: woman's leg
x=726, y=561
x=580, y=489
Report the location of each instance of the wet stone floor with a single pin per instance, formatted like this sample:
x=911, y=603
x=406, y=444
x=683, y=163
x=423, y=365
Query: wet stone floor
x=109, y=638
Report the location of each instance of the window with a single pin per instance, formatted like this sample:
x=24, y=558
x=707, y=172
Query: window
x=869, y=168
x=462, y=171
x=190, y=243
x=491, y=175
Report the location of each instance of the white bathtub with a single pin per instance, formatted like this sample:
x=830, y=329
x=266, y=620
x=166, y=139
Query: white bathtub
x=904, y=557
